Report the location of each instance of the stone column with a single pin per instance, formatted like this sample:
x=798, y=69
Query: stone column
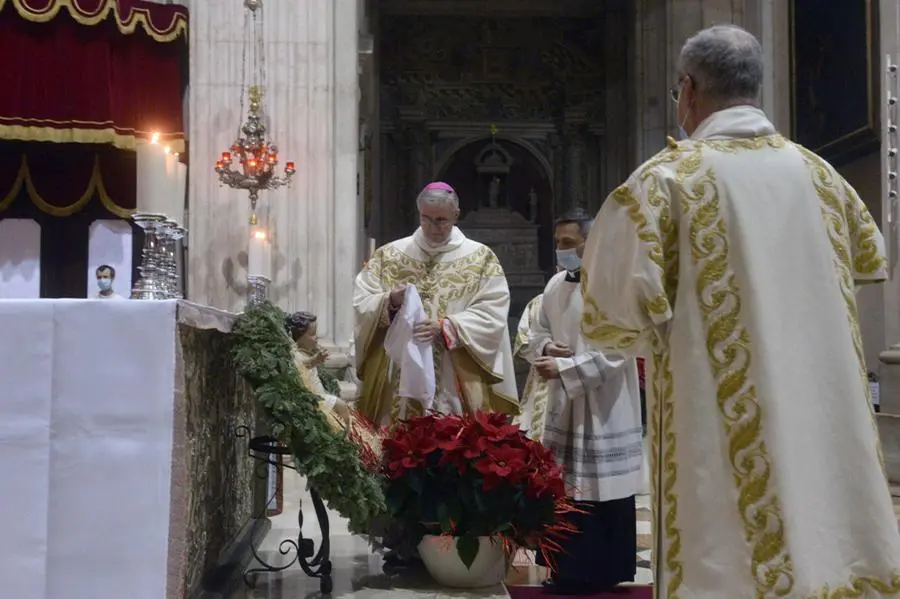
x=311, y=99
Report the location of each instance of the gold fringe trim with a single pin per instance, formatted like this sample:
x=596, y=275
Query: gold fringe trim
x=126, y=23
x=81, y=135
x=95, y=185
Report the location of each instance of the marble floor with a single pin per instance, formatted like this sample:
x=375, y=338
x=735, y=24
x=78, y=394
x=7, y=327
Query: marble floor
x=358, y=572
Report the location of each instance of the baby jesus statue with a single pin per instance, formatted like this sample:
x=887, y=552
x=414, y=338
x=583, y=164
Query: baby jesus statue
x=308, y=357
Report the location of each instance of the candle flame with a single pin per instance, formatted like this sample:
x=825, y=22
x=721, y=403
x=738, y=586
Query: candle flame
x=168, y=150
x=261, y=235
x=154, y=139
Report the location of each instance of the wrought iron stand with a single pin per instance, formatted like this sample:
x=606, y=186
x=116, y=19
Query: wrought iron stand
x=315, y=564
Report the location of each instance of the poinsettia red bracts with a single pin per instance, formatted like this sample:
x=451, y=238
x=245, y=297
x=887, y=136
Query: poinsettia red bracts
x=476, y=475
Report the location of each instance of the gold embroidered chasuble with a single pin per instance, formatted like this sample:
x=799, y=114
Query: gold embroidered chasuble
x=461, y=281
x=534, y=395
x=731, y=259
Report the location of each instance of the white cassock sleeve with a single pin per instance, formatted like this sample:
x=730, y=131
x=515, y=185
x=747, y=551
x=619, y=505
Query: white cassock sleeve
x=631, y=247
x=586, y=372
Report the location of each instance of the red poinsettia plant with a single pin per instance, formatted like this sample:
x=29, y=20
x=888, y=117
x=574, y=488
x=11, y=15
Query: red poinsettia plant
x=474, y=476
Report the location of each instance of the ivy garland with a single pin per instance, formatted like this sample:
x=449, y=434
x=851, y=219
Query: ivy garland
x=330, y=462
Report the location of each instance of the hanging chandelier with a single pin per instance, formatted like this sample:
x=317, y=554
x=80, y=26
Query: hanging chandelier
x=252, y=160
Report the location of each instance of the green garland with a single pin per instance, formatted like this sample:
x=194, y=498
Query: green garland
x=329, y=461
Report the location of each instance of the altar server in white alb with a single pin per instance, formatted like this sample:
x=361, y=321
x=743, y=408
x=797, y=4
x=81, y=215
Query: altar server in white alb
x=731, y=258
x=592, y=425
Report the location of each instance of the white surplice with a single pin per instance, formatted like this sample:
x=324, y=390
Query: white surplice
x=461, y=284
x=593, y=419
x=731, y=259
x=534, y=395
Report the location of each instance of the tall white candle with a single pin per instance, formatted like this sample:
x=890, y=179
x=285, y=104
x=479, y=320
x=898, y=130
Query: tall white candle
x=259, y=254
x=152, y=179
x=176, y=203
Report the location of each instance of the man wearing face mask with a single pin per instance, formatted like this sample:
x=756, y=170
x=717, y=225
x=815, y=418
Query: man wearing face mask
x=106, y=276
x=730, y=260
x=592, y=425
x=465, y=297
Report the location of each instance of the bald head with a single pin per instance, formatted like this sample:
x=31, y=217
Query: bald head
x=725, y=63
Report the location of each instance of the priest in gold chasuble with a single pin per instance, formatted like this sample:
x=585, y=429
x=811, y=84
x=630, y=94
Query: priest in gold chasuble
x=730, y=259
x=466, y=300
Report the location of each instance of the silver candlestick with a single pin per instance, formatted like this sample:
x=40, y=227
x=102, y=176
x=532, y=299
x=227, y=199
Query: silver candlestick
x=151, y=285
x=257, y=289
x=172, y=232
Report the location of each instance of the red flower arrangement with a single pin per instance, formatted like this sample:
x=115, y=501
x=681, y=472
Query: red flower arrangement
x=474, y=476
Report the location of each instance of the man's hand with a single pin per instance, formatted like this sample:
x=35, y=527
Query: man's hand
x=426, y=332
x=557, y=350
x=546, y=367
x=397, y=295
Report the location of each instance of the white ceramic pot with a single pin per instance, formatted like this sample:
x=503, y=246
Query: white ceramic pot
x=443, y=563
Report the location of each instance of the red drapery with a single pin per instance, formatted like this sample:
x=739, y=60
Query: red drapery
x=92, y=71
x=66, y=179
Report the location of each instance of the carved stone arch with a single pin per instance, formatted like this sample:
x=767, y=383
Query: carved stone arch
x=447, y=157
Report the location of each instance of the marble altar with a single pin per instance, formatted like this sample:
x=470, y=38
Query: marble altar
x=119, y=424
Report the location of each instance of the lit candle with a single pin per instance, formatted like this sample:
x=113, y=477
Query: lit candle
x=152, y=178
x=259, y=254
x=289, y=167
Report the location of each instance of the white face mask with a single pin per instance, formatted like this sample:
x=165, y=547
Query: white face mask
x=568, y=259
x=104, y=284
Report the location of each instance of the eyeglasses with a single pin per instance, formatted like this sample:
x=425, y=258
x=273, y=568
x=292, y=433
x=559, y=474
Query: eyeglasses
x=435, y=222
x=675, y=91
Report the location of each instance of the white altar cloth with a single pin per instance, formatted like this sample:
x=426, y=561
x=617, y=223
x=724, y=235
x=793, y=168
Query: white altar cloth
x=86, y=426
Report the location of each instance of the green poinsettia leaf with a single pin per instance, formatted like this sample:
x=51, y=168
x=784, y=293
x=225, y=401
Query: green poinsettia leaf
x=467, y=548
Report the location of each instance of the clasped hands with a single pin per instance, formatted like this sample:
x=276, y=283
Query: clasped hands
x=424, y=332
x=546, y=365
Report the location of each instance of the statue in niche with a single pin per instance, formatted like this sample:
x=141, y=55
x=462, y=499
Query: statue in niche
x=494, y=192
x=532, y=206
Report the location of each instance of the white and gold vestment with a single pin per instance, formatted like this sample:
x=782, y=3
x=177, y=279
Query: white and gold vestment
x=730, y=259
x=461, y=281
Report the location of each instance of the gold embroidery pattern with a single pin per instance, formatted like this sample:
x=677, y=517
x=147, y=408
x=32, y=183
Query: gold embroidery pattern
x=440, y=282
x=662, y=444
x=860, y=585
x=868, y=261
x=728, y=345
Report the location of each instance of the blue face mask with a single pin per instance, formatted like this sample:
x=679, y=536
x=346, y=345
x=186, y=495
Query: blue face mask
x=568, y=259
x=104, y=284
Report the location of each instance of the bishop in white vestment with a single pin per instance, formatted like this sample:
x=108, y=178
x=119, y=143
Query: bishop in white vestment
x=466, y=298
x=592, y=425
x=731, y=259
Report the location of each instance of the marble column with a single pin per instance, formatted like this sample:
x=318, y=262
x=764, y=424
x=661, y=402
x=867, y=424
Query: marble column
x=311, y=101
